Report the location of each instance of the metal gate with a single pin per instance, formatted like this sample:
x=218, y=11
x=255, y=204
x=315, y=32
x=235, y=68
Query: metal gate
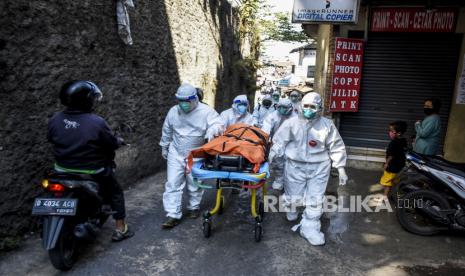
x=400, y=71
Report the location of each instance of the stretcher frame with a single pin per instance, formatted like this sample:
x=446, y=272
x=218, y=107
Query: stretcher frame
x=233, y=180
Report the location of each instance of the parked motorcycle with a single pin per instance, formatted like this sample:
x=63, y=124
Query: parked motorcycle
x=430, y=195
x=72, y=212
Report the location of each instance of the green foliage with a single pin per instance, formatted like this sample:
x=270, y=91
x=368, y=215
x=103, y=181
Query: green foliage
x=280, y=28
x=247, y=68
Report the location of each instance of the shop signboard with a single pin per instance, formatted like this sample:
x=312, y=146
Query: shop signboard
x=347, y=75
x=283, y=82
x=325, y=11
x=413, y=20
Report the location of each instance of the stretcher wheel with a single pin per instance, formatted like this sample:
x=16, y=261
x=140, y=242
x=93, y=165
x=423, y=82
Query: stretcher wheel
x=261, y=209
x=258, y=232
x=220, y=211
x=207, y=228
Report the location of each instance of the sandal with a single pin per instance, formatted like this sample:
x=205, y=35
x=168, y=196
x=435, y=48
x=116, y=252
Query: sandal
x=119, y=235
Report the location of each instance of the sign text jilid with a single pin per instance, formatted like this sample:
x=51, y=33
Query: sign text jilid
x=347, y=75
x=413, y=20
x=329, y=11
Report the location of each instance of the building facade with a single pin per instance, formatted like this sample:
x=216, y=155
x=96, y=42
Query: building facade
x=413, y=50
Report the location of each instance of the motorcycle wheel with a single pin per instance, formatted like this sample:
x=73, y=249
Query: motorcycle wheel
x=404, y=187
x=64, y=254
x=412, y=220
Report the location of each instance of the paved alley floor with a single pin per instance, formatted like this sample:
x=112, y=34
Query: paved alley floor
x=372, y=244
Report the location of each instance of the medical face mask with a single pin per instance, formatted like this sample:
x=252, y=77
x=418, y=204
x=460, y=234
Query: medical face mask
x=267, y=104
x=294, y=99
x=185, y=106
x=283, y=110
x=241, y=108
x=428, y=111
x=309, y=113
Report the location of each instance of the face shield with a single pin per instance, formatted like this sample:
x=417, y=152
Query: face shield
x=187, y=98
x=240, y=104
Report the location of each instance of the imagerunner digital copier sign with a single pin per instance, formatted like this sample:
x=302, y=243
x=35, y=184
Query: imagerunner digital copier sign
x=327, y=11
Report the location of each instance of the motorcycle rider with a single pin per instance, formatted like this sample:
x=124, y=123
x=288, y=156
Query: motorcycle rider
x=186, y=127
x=238, y=113
x=83, y=143
x=310, y=144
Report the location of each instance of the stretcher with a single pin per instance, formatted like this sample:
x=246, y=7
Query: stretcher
x=232, y=177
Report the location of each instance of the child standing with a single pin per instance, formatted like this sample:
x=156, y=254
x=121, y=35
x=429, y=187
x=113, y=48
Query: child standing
x=395, y=155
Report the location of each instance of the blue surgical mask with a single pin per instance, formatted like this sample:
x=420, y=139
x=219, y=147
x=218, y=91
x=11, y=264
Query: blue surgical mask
x=242, y=108
x=185, y=106
x=283, y=110
x=309, y=114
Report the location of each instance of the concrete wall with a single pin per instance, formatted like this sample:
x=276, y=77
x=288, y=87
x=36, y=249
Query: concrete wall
x=45, y=43
x=301, y=70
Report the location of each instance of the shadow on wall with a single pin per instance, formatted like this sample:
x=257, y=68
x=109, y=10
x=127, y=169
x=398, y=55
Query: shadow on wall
x=228, y=83
x=42, y=45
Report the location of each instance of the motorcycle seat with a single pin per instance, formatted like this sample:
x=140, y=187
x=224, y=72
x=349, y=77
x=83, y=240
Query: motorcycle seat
x=54, y=174
x=448, y=164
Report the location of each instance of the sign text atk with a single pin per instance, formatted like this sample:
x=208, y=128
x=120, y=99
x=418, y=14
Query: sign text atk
x=347, y=75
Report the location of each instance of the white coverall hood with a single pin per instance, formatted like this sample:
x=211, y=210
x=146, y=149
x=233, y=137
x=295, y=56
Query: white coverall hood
x=311, y=99
x=260, y=112
x=187, y=92
x=240, y=99
x=181, y=133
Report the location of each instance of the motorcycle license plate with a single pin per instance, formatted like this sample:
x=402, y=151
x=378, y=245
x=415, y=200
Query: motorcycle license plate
x=55, y=206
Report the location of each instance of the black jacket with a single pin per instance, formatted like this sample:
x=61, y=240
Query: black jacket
x=81, y=140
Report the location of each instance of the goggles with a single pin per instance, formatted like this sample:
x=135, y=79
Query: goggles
x=239, y=102
x=186, y=98
x=310, y=106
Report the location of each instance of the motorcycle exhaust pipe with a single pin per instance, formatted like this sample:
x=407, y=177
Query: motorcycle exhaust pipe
x=436, y=215
x=85, y=231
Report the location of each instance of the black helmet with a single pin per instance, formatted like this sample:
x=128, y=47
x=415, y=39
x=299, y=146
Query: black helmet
x=80, y=95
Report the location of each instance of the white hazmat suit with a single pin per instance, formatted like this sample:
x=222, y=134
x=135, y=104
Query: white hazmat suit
x=184, y=130
x=276, y=95
x=262, y=110
x=271, y=124
x=310, y=143
x=295, y=97
x=233, y=115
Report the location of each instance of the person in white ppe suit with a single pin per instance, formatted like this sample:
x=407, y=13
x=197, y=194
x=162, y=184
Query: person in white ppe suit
x=276, y=95
x=271, y=125
x=310, y=144
x=186, y=127
x=262, y=110
x=295, y=97
x=239, y=113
